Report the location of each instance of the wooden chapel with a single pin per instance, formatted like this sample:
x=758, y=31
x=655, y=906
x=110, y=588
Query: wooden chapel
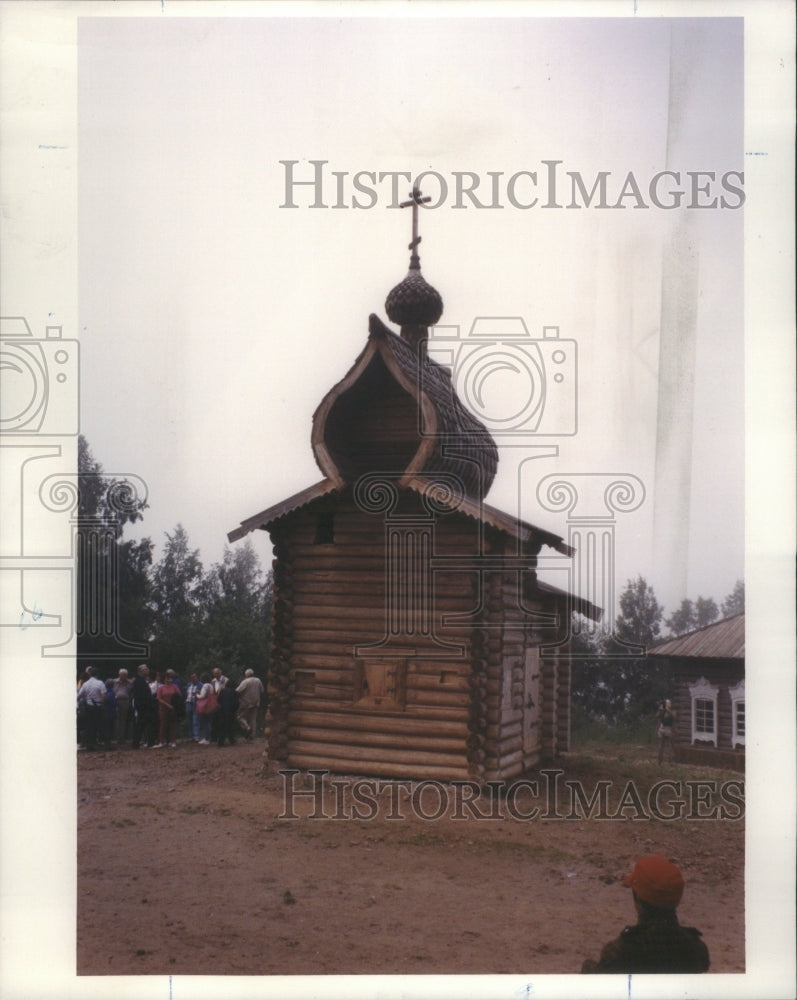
x=411, y=637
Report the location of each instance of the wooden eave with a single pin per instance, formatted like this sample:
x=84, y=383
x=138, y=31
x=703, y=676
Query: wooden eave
x=288, y=506
x=529, y=537
x=526, y=534
x=579, y=604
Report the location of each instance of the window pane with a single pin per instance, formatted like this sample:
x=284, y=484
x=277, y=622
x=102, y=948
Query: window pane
x=704, y=716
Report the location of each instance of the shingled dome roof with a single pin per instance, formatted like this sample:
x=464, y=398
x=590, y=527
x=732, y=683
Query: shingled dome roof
x=414, y=302
x=396, y=412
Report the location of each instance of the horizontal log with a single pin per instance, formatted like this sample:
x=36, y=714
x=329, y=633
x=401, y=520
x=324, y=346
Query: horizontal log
x=380, y=543
x=371, y=624
x=504, y=731
x=379, y=769
x=444, y=679
x=341, y=698
x=332, y=699
x=334, y=692
x=404, y=756
x=342, y=601
x=374, y=533
x=326, y=616
x=325, y=675
x=501, y=761
x=322, y=559
x=442, y=699
x=311, y=586
x=505, y=748
x=309, y=640
x=331, y=667
x=453, y=713
x=366, y=721
x=352, y=519
x=392, y=741
x=505, y=772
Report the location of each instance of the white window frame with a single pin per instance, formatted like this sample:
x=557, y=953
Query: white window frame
x=737, y=697
x=702, y=690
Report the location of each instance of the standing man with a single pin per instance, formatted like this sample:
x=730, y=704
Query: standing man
x=143, y=704
x=122, y=687
x=656, y=942
x=92, y=696
x=224, y=719
x=250, y=691
x=192, y=689
x=219, y=683
x=666, y=730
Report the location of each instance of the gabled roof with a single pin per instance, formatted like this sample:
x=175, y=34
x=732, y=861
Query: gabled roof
x=529, y=538
x=526, y=534
x=288, y=506
x=722, y=640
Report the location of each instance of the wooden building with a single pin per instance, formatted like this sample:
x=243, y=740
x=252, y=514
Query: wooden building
x=411, y=636
x=708, y=692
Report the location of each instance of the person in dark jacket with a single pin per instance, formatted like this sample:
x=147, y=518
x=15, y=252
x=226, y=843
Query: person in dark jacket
x=225, y=717
x=109, y=710
x=666, y=730
x=657, y=942
x=142, y=700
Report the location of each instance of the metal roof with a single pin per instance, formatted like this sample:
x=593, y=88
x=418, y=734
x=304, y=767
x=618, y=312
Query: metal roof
x=723, y=640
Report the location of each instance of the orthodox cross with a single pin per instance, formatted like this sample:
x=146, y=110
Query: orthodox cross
x=415, y=201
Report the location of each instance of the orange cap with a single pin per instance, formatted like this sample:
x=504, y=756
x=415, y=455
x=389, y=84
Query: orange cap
x=656, y=881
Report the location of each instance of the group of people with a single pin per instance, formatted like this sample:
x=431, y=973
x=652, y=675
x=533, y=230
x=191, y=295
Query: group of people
x=156, y=711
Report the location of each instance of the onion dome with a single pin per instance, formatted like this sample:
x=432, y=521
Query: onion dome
x=414, y=302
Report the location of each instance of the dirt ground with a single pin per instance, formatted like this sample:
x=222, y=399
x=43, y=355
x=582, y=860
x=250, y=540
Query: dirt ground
x=185, y=867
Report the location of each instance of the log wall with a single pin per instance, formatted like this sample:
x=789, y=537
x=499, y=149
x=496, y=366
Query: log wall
x=339, y=699
x=724, y=674
x=349, y=695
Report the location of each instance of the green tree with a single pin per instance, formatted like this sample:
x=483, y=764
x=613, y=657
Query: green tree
x=706, y=611
x=610, y=686
x=683, y=620
x=639, y=621
x=112, y=624
x=734, y=602
x=176, y=604
x=236, y=601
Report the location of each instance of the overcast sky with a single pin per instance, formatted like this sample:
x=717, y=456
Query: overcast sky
x=213, y=320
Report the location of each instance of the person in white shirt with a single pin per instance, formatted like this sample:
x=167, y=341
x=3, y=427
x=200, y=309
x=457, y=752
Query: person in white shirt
x=92, y=697
x=250, y=691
